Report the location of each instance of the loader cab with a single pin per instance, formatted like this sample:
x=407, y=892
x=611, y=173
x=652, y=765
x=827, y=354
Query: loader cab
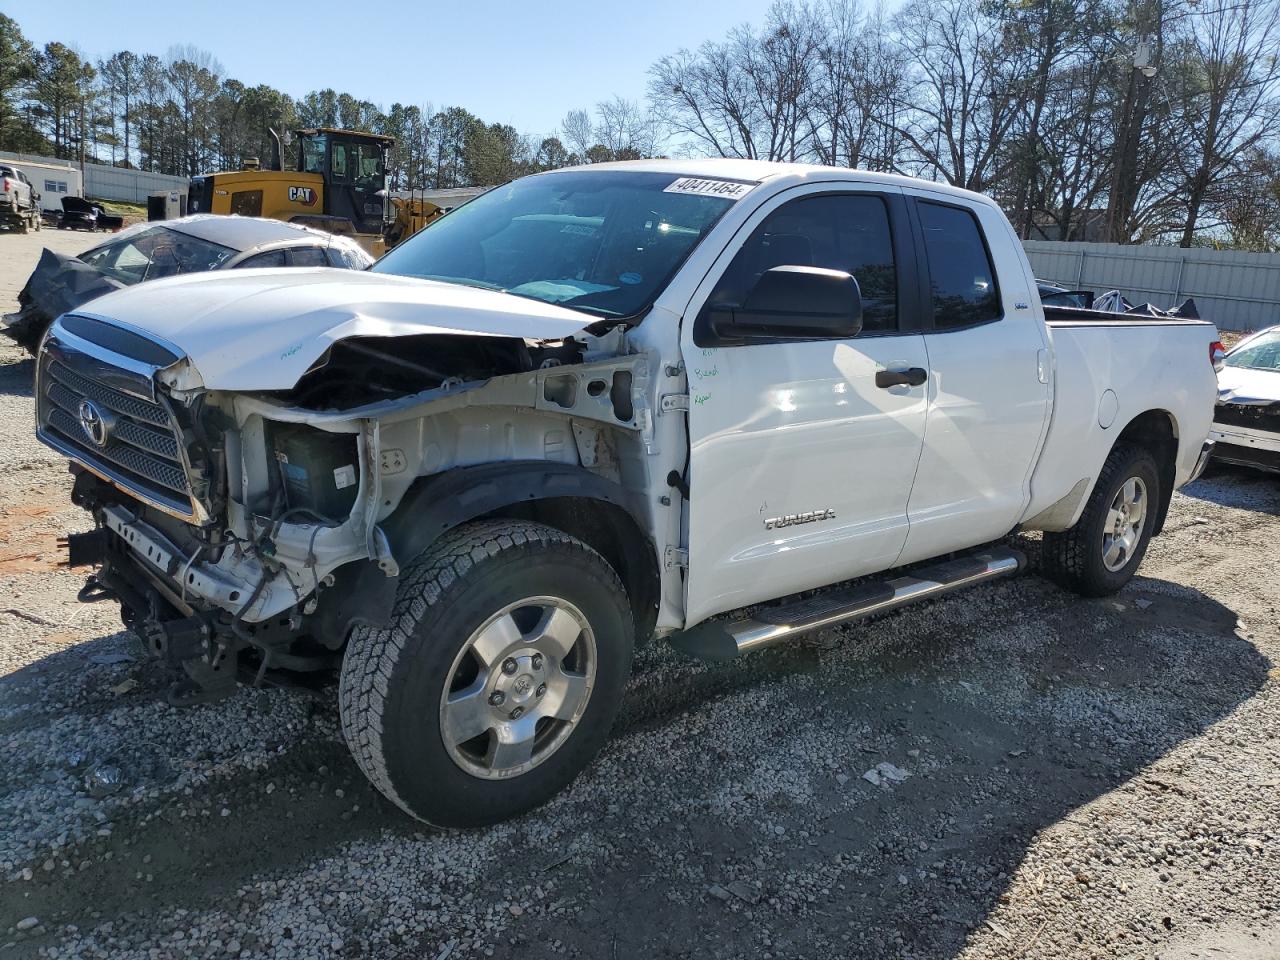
x=354, y=170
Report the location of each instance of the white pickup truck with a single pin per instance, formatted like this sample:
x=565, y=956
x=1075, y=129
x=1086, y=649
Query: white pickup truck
x=588, y=408
x=19, y=202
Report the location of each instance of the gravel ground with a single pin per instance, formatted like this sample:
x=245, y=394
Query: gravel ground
x=1063, y=778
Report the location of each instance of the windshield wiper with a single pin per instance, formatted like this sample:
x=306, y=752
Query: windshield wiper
x=498, y=288
x=567, y=304
x=463, y=282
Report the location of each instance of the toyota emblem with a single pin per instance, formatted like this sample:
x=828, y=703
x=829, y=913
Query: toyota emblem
x=94, y=423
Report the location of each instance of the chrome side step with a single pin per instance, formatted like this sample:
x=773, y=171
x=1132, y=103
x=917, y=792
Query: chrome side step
x=717, y=640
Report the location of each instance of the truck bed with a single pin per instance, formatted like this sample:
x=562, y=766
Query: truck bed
x=1074, y=316
x=1108, y=369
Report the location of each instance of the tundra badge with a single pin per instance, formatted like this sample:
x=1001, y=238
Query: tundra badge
x=791, y=519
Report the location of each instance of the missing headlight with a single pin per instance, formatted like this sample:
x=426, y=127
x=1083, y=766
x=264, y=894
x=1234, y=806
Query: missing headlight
x=319, y=471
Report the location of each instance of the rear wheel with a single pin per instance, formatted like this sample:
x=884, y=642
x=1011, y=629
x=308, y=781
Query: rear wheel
x=1101, y=553
x=497, y=681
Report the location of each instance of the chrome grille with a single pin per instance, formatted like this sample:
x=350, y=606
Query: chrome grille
x=142, y=452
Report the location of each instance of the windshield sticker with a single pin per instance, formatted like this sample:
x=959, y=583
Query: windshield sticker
x=630, y=278
x=711, y=188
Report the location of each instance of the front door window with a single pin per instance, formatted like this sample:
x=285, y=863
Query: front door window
x=313, y=149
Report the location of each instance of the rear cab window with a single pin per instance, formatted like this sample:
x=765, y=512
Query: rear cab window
x=962, y=278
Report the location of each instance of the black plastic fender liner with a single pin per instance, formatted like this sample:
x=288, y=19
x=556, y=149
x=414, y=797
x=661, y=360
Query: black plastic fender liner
x=542, y=490
x=361, y=594
x=438, y=503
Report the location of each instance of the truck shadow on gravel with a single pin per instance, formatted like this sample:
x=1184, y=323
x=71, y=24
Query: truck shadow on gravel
x=729, y=816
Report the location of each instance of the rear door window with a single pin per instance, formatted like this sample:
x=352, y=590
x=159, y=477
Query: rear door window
x=961, y=277
x=271, y=258
x=307, y=257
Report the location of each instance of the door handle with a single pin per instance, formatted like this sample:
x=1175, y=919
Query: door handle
x=906, y=377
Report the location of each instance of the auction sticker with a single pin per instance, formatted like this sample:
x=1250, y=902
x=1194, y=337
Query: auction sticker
x=728, y=189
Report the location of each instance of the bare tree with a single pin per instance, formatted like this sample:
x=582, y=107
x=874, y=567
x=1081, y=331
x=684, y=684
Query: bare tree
x=857, y=82
x=578, y=132
x=964, y=94
x=1074, y=150
x=747, y=96
x=1223, y=98
x=626, y=129
x=1049, y=37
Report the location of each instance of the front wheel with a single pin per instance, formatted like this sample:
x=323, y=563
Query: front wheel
x=1101, y=553
x=498, y=679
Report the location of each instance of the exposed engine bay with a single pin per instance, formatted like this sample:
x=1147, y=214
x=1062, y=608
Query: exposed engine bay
x=363, y=370
x=267, y=530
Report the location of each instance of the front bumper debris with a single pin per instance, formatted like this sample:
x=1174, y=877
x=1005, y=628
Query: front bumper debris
x=1202, y=462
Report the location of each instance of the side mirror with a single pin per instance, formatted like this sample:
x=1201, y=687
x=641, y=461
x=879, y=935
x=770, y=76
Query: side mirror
x=792, y=303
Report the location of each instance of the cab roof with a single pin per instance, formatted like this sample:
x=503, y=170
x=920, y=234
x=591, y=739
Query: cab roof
x=759, y=171
x=239, y=233
x=362, y=134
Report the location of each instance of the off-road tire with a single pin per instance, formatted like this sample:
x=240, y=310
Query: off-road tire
x=392, y=678
x=1073, y=558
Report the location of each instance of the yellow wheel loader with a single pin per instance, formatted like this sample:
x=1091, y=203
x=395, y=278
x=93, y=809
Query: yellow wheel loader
x=340, y=185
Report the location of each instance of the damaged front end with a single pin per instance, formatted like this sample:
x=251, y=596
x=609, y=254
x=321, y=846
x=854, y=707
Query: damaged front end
x=1247, y=431
x=249, y=532
x=58, y=284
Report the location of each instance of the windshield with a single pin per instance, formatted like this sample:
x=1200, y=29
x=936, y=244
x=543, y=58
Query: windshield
x=312, y=160
x=156, y=252
x=601, y=241
x=1261, y=353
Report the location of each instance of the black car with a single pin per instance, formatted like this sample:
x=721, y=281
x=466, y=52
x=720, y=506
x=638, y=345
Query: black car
x=79, y=214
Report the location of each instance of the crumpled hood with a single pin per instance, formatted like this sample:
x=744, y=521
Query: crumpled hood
x=1252, y=387
x=58, y=284
x=262, y=329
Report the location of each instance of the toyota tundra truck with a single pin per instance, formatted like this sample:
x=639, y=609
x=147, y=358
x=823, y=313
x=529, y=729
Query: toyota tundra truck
x=716, y=403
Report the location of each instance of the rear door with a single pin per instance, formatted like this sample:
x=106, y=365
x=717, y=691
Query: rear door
x=800, y=464
x=989, y=389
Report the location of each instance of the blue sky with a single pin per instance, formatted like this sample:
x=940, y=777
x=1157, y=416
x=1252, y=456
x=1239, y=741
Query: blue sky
x=523, y=63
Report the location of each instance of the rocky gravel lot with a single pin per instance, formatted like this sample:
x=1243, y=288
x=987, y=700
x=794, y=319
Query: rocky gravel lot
x=1053, y=777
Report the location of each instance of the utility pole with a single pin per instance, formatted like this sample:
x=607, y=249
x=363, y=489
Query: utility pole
x=1123, y=195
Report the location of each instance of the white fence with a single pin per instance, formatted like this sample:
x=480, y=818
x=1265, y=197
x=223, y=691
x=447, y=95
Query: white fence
x=133, y=186
x=1236, y=290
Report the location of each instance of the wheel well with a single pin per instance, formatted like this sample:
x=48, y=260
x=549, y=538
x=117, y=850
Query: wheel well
x=1157, y=432
x=600, y=513
x=614, y=534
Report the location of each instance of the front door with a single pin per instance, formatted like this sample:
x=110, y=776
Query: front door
x=357, y=178
x=801, y=466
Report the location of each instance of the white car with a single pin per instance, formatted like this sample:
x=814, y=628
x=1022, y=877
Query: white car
x=1246, y=421
x=588, y=408
x=150, y=251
